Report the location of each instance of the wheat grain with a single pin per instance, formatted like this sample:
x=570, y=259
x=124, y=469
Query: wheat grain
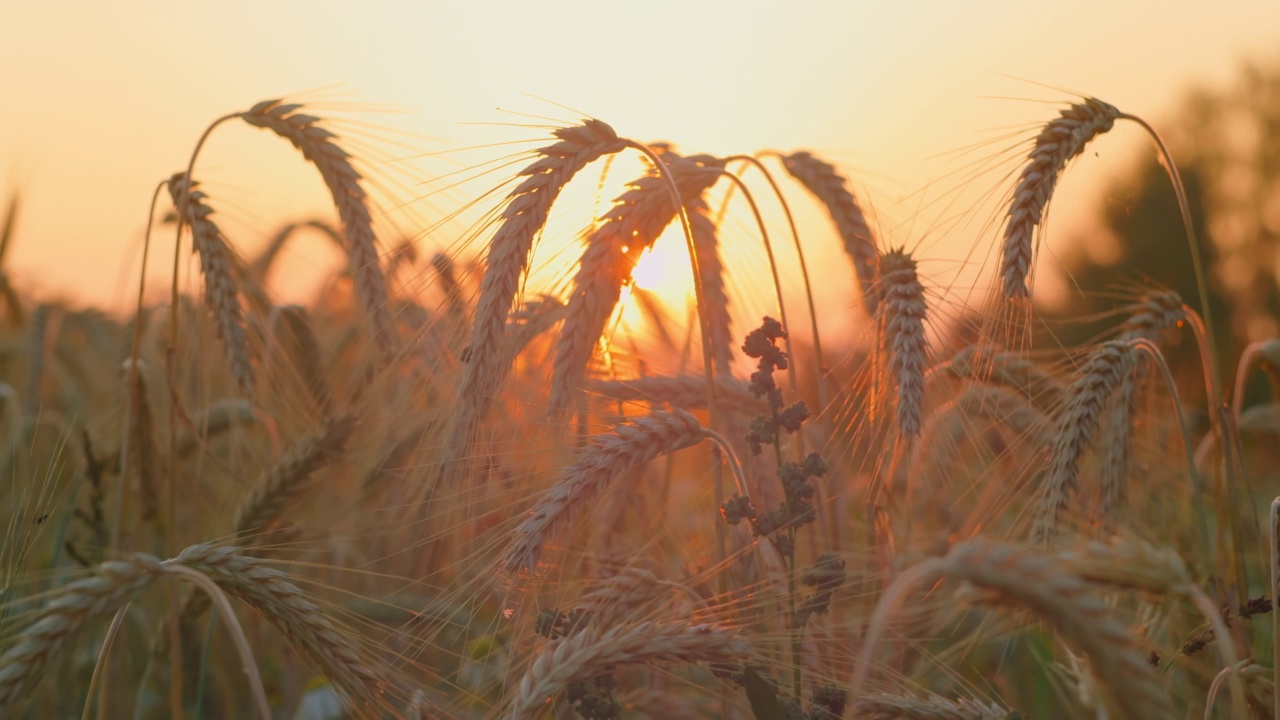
x=319, y=146
x=1062, y=139
x=585, y=653
x=635, y=221
x=609, y=456
x=1102, y=373
x=217, y=263
x=821, y=179
x=903, y=315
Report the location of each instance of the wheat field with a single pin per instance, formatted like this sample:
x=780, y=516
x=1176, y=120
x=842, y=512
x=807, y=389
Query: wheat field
x=447, y=489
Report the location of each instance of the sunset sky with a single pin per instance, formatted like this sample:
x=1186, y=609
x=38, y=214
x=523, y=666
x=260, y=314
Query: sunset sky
x=105, y=99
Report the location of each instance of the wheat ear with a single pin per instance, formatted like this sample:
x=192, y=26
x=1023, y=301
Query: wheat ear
x=903, y=312
x=1150, y=319
x=67, y=611
x=217, y=263
x=1105, y=369
x=711, y=267
x=319, y=146
x=300, y=620
x=260, y=266
x=291, y=332
x=832, y=189
x=292, y=476
x=1003, y=368
x=522, y=218
x=635, y=221
x=1062, y=139
x=140, y=436
x=115, y=583
x=615, y=454
x=1067, y=602
x=681, y=391
x=884, y=706
x=584, y=653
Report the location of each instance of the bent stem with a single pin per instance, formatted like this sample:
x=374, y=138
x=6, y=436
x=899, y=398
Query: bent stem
x=819, y=360
x=1226, y=647
x=228, y=615
x=1253, y=352
x=171, y=371
x=792, y=377
x=1184, y=207
x=704, y=325
x=1197, y=483
x=1275, y=621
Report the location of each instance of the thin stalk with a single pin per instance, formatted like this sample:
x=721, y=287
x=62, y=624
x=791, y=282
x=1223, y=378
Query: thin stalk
x=1184, y=207
x=1275, y=621
x=100, y=665
x=171, y=370
x=792, y=377
x=1226, y=646
x=228, y=615
x=804, y=273
x=704, y=325
x=1197, y=483
x=1252, y=352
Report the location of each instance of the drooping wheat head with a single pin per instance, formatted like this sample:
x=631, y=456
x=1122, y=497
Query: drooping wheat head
x=320, y=146
x=217, y=263
x=832, y=189
x=1061, y=140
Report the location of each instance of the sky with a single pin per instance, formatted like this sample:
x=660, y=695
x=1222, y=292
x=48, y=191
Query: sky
x=105, y=99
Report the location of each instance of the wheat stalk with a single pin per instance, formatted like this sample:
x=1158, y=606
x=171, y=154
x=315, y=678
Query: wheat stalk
x=1062, y=139
x=832, y=189
x=291, y=331
x=714, y=298
x=637, y=218
x=1080, y=615
x=903, y=313
x=680, y=391
x=1001, y=367
x=113, y=584
x=319, y=146
x=523, y=217
x=67, y=611
x=292, y=476
x=615, y=454
x=1154, y=315
x=1105, y=369
x=300, y=620
x=260, y=266
x=217, y=263
x=140, y=436
x=885, y=706
x=587, y=652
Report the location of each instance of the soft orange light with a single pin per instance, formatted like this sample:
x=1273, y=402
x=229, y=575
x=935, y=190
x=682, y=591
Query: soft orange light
x=664, y=268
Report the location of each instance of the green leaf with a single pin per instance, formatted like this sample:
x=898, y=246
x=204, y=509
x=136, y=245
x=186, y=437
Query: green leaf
x=761, y=695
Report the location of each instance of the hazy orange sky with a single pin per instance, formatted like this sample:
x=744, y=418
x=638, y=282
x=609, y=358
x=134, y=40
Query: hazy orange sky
x=105, y=99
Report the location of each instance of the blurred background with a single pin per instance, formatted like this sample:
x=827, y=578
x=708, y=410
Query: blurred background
x=929, y=107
